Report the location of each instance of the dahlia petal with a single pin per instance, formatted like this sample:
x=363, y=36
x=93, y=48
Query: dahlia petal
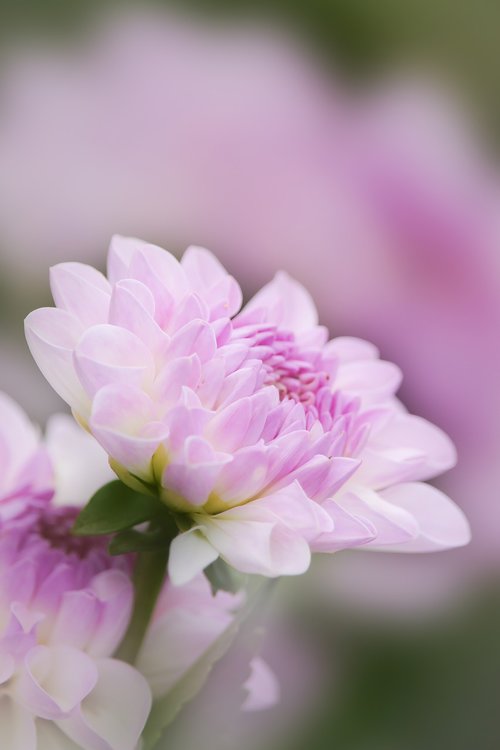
x=190, y=553
x=348, y=530
x=52, y=335
x=229, y=426
x=113, y=590
x=108, y=354
x=374, y=380
x=184, y=421
x=210, y=279
x=383, y=467
x=321, y=476
x=82, y=291
x=120, y=255
x=177, y=374
x=417, y=434
x=287, y=303
x=244, y=476
x=238, y=384
x=80, y=464
x=192, y=632
x=196, y=337
x=260, y=547
x=349, y=349
x=7, y=667
x=17, y=726
x=267, y=536
x=210, y=385
x=113, y=716
x=393, y=524
x=56, y=680
x=165, y=267
x=76, y=620
x=442, y=525
x=289, y=506
x=194, y=478
x=50, y=737
x=263, y=688
x=120, y=422
x=133, y=307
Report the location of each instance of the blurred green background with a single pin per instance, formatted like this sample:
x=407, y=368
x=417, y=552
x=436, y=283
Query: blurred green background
x=386, y=683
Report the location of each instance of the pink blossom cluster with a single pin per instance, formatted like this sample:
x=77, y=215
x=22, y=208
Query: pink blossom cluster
x=266, y=440
x=65, y=604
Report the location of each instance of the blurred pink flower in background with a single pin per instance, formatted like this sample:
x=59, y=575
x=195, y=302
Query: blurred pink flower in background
x=381, y=203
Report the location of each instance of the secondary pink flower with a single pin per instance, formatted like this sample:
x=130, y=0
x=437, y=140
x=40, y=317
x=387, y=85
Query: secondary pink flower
x=266, y=438
x=64, y=606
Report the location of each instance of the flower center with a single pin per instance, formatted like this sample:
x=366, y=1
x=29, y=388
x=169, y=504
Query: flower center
x=300, y=373
x=54, y=526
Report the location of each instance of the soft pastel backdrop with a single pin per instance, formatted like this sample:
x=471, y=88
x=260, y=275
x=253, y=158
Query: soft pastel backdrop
x=355, y=146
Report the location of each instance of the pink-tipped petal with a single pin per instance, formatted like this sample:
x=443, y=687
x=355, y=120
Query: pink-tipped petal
x=210, y=279
x=52, y=336
x=110, y=355
x=57, y=679
x=394, y=525
x=442, y=525
x=287, y=304
x=120, y=255
x=122, y=420
x=82, y=291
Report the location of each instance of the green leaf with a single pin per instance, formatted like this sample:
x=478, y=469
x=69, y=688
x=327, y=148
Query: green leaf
x=190, y=683
x=131, y=540
x=116, y=507
x=224, y=578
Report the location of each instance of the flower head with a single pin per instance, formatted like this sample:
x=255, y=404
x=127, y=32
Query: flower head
x=64, y=606
x=264, y=438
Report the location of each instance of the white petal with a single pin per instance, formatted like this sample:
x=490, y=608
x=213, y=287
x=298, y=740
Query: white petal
x=119, y=705
x=190, y=553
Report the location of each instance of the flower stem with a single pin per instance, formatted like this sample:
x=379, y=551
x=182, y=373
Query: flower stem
x=149, y=575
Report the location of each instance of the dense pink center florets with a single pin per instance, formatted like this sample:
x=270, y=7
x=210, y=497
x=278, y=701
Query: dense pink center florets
x=54, y=526
x=302, y=374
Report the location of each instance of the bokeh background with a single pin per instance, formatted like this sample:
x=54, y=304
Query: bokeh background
x=354, y=144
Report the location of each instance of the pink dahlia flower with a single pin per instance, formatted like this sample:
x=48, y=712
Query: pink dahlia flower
x=264, y=438
x=64, y=606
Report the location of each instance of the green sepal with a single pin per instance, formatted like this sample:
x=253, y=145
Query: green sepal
x=224, y=578
x=116, y=507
